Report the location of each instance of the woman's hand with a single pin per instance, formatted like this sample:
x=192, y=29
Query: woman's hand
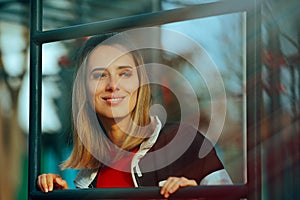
x=50, y=182
x=172, y=184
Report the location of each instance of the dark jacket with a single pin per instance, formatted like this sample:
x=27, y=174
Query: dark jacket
x=181, y=157
x=175, y=150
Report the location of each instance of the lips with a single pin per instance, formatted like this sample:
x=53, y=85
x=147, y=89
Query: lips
x=113, y=100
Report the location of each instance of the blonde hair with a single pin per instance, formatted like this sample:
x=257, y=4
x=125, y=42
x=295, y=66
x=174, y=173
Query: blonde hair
x=88, y=135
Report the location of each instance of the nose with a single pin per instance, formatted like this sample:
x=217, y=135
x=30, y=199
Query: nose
x=112, y=84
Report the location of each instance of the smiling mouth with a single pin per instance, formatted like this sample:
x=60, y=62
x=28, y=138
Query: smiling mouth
x=113, y=100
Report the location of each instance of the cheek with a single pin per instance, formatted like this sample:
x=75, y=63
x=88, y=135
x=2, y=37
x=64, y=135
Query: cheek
x=93, y=89
x=95, y=86
x=131, y=86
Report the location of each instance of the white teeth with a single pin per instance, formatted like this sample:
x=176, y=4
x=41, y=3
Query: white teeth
x=115, y=99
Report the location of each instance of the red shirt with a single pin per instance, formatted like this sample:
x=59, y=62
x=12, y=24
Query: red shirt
x=110, y=176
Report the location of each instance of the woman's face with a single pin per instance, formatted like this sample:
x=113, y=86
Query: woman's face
x=112, y=83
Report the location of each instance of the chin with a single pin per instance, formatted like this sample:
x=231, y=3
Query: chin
x=116, y=116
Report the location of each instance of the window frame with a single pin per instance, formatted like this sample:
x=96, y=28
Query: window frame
x=38, y=37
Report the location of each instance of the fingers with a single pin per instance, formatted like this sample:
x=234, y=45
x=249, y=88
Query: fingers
x=45, y=182
x=174, y=183
x=61, y=183
x=170, y=186
x=48, y=182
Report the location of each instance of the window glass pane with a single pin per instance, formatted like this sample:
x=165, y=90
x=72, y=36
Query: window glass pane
x=193, y=72
x=223, y=40
x=57, y=77
x=62, y=13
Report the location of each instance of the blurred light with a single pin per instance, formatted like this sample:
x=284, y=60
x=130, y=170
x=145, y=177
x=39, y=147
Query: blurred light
x=12, y=46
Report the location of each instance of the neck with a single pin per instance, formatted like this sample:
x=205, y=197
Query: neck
x=116, y=128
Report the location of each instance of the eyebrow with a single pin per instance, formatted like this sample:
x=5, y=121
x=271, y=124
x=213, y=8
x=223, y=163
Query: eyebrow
x=104, y=68
x=125, y=67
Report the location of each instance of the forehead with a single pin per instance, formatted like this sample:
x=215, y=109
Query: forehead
x=104, y=55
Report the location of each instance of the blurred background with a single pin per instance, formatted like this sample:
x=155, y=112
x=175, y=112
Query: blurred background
x=222, y=38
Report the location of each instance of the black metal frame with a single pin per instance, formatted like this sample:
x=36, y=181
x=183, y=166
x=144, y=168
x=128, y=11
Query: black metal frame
x=250, y=190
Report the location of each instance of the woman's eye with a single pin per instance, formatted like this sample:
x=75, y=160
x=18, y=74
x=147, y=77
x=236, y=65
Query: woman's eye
x=126, y=74
x=98, y=75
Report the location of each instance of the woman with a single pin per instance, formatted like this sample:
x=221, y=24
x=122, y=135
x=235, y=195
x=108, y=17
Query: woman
x=116, y=142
